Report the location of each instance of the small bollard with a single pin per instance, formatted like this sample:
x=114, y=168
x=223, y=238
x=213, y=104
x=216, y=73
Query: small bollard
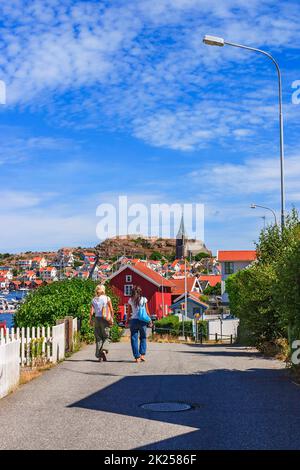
x=216, y=337
x=230, y=339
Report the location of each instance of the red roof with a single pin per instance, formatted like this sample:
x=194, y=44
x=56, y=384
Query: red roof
x=212, y=279
x=142, y=268
x=30, y=273
x=180, y=285
x=153, y=275
x=236, y=255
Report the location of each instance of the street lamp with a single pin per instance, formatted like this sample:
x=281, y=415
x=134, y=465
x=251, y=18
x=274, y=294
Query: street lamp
x=254, y=206
x=216, y=41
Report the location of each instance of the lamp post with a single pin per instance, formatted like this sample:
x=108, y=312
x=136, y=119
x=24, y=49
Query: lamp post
x=216, y=41
x=254, y=206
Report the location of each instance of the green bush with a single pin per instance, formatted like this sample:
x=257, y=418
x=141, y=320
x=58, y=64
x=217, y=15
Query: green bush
x=116, y=333
x=47, y=304
x=172, y=326
x=203, y=328
x=168, y=325
x=188, y=328
x=266, y=295
x=286, y=292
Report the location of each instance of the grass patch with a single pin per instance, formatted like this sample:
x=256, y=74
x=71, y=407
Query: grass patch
x=28, y=374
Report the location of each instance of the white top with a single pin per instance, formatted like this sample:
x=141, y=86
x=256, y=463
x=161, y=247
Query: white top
x=98, y=304
x=134, y=308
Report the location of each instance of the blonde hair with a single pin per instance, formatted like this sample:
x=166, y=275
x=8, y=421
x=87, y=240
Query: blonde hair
x=100, y=289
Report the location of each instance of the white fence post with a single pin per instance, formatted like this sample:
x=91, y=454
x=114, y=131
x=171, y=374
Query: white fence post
x=9, y=366
x=58, y=342
x=22, y=346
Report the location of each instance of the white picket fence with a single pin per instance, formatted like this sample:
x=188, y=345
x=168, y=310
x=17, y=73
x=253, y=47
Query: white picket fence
x=9, y=366
x=29, y=347
x=38, y=343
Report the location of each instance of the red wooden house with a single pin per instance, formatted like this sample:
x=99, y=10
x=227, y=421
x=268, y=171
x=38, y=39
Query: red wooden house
x=155, y=288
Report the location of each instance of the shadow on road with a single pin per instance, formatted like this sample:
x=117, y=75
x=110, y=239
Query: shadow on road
x=223, y=352
x=252, y=409
x=96, y=360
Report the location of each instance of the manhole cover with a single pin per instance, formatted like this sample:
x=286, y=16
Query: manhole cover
x=166, y=406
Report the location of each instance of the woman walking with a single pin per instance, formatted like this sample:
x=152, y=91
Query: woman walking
x=102, y=311
x=138, y=327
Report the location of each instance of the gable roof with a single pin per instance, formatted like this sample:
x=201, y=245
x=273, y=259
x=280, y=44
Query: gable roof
x=179, y=287
x=192, y=296
x=212, y=279
x=147, y=273
x=236, y=255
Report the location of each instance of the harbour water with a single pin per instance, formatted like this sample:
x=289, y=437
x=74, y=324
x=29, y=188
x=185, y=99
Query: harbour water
x=8, y=318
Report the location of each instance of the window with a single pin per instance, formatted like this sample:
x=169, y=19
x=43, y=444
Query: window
x=127, y=290
x=229, y=267
x=126, y=311
x=128, y=278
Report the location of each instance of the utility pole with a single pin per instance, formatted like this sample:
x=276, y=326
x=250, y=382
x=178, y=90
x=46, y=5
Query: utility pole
x=185, y=293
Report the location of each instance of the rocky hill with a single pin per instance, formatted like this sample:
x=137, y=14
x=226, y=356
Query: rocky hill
x=136, y=246
x=140, y=246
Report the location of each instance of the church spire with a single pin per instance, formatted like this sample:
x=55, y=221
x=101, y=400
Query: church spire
x=180, y=240
x=181, y=232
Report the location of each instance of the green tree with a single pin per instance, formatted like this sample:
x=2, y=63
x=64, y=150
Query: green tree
x=201, y=255
x=213, y=290
x=77, y=263
x=286, y=291
x=156, y=256
x=47, y=304
x=265, y=296
x=250, y=295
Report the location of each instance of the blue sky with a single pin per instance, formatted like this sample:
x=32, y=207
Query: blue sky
x=112, y=98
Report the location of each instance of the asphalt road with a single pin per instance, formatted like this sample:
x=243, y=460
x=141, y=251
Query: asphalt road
x=241, y=401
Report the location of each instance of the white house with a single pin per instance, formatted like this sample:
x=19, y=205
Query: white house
x=65, y=258
x=49, y=273
x=6, y=274
x=39, y=262
x=231, y=262
x=24, y=263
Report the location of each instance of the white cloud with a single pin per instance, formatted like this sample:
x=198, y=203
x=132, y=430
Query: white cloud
x=142, y=65
x=255, y=176
x=15, y=149
x=12, y=200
